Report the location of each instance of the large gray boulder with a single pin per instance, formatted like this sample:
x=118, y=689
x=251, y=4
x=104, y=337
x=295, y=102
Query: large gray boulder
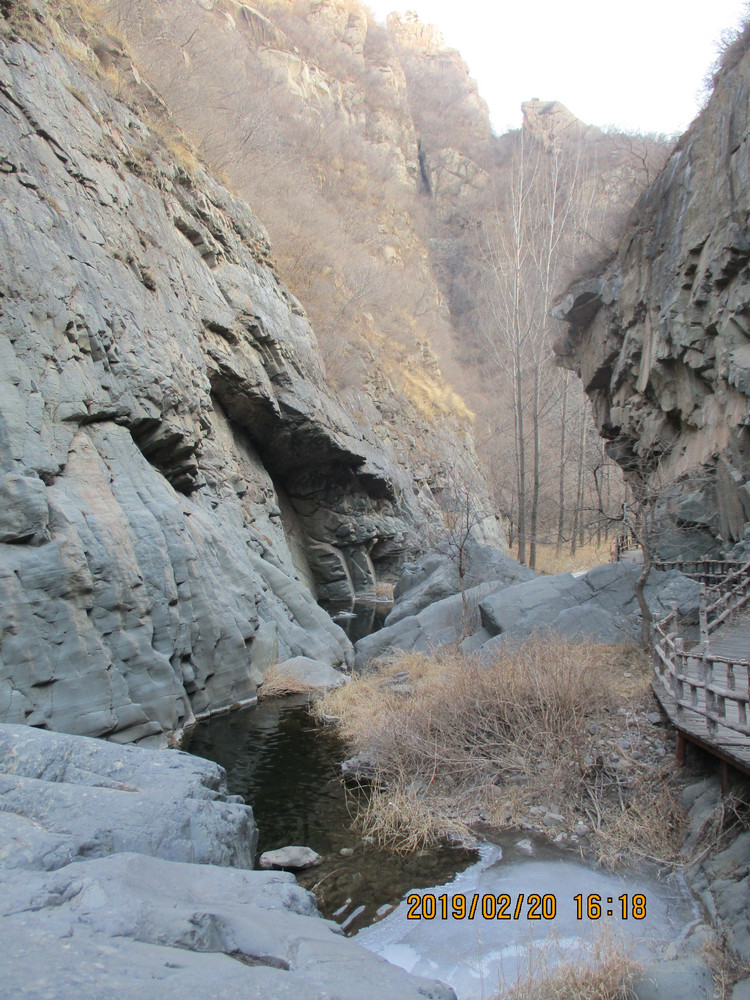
x=600, y=605
x=677, y=980
x=310, y=674
x=435, y=576
x=113, y=883
x=729, y=876
x=134, y=927
x=524, y=605
x=63, y=798
x=440, y=624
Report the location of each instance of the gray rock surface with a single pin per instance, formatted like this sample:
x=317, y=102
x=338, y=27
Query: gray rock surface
x=171, y=461
x=124, y=914
x=728, y=873
x=289, y=858
x=660, y=337
x=435, y=576
x=312, y=673
x=600, y=606
x=678, y=980
x=439, y=624
x=63, y=798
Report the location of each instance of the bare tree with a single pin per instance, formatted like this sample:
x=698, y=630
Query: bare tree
x=525, y=251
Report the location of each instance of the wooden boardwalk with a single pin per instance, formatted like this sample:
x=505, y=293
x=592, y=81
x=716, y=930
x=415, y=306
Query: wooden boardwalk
x=705, y=689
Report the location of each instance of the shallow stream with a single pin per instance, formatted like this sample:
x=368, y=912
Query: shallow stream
x=287, y=766
x=284, y=763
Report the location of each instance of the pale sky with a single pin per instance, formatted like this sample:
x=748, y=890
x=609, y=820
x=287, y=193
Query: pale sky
x=636, y=66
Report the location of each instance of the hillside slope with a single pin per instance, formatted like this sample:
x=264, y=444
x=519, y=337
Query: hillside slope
x=368, y=154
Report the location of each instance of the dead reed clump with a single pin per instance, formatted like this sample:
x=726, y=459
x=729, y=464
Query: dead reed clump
x=277, y=683
x=600, y=970
x=538, y=730
x=401, y=820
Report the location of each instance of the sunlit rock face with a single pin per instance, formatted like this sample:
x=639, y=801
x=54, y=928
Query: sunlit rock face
x=177, y=483
x=661, y=336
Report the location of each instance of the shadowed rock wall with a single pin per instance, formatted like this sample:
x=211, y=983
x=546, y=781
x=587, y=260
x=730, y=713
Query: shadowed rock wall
x=163, y=423
x=661, y=337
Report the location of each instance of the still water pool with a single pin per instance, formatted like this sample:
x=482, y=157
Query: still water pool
x=287, y=766
x=284, y=763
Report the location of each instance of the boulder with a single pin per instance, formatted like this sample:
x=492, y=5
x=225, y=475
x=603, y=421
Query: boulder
x=125, y=872
x=729, y=877
x=439, y=624
x=613, y=585
x=599, y=606
x=435, y=576
x=63, y=798
x=685, y=977
x=135, y=926
x=527, y=606
x=309, y=673
x=289, y=859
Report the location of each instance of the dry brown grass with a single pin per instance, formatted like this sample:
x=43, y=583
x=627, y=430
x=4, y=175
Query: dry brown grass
x=277, y=683
x=600, y=970
x=452, y=739
x=586, y=557
x=727, y=969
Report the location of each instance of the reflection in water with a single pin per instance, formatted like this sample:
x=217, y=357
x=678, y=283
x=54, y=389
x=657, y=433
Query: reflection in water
x=287, y=767
x=358, y=620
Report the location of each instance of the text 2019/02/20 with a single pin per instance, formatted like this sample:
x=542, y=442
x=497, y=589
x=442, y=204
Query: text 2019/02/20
x=534, y=906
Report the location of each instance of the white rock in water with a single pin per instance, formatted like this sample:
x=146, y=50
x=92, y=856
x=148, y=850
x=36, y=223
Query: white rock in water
x=292, y=858
x=525, y=846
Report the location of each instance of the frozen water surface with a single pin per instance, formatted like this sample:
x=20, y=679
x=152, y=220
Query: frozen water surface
x=477, y=957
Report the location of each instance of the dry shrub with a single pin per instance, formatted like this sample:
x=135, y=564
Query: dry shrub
x=277, y=683
x=402, y=820
x=729, y=819
x=537, y=724
x=599, y=970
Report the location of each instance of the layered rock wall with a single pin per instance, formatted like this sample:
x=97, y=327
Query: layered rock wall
x=176, y=482
x=661, y=336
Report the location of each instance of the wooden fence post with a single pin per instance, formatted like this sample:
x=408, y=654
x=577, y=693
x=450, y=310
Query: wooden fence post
x=703, y=613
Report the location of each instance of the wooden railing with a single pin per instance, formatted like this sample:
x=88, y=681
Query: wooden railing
x=719, y=603
x=707, y=684
x=624, y=542
x=711, y=572
x=703, y=684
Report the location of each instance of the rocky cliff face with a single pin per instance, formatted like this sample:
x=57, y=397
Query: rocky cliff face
x=305, y=109
x=661, y=336
x=176, y=481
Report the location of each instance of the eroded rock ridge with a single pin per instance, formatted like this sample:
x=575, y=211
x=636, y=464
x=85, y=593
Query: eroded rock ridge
x=661, y=336
x=178, y=485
